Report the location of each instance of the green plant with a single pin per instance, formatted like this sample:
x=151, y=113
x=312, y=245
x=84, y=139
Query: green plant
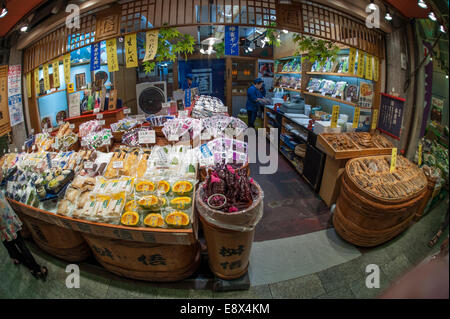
x=273, y=35
x=220, y=49
x=317, y=50
x=170, y=43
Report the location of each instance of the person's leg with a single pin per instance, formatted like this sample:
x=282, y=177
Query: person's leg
x=436, y=237
x=13, y=252
x=27, y=257
x=251, y=118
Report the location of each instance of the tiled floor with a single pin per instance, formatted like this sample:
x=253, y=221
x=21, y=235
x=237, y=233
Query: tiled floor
x=345, y=280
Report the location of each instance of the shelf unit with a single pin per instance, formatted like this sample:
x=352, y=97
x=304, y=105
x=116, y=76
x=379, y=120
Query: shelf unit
x=349, y=75
x=331, y=98
x=287, y=72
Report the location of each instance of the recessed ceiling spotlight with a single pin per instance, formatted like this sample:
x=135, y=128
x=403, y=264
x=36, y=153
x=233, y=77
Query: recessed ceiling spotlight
x=422, y=4
x=24, y=28
x=432, y=16
x=4, y=11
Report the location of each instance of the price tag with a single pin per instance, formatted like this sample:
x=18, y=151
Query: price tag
x=173, y=138
x=182, y=114
x=374, y=119
x=61, y=123
x=420, y=155
x=127, y=111
x=99, y=116
x=140, y=117
x=118, y=164
x=33, y=148
x=102, y=122
x=32, y=131
x=88, y=165
x=334, y=116
x=147, y=137
x=23, y=148
x=393, y=159
x=96, y=110
x=356, y=117
x=72, y=126
x=15, y=150
x=206, y=136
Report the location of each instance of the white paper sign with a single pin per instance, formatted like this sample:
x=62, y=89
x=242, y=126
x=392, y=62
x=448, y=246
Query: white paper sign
x=118, y=164
x=182, y=114
x=88, y=165
x=147, y=137
x=96, y=110
x=206, y=136
x=72, y=126
x=99, y=116
x=173, y=138
x=74, y=104
x=15, y=94
x=126, y=111
x=102, y=122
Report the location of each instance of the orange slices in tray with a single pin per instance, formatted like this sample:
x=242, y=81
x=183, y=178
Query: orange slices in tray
x=130, y=219
x=154, y=220
x=182, y=202
x=181, y=188
x=177, y=219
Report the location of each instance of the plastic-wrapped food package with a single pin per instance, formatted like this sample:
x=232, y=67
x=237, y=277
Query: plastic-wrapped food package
x=207, y=106
x=89, y=127
x=124, y=125
x=339, y=89
x=98, y=139
x=314, y=85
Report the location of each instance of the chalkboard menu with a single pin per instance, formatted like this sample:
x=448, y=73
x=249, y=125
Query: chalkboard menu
x=391, y=115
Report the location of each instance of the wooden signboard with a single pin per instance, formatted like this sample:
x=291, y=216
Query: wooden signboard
x=112, y=104
x=108, y=23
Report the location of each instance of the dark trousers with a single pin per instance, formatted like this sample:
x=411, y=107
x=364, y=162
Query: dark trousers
x=251, y=118
x=18, y=250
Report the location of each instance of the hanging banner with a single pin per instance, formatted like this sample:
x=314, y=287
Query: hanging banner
x=66, y=62
x=351, y=61
x=55, y=67
x=151, y=44
x=391, y=115
x=369, y=70
x=4, y=111
x=95, y=56
x=360, y=70
x=46, y=77
x=376, y=69
x=131, y=58
x=28, y=84
x=393, y=159
x=428, y=88
x=111, y=52
x=15, y=95
x=231, y=40
x=36, y=81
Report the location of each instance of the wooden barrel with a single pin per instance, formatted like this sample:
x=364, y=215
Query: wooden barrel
x=228, y=249
x=57, y=241
x=144, y=261
x=367, y=220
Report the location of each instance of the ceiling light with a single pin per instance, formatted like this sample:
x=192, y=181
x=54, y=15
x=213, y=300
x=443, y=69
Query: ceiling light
x=24, y=28
x=442, y=29
x=211, y=41
x=422, y=4
x=432, y=16
x=388, y=16
x=285, y=31
x=4, y=11
x=372, y=6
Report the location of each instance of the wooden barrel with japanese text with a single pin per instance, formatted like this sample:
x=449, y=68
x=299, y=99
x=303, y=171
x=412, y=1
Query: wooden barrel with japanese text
x=145, y=261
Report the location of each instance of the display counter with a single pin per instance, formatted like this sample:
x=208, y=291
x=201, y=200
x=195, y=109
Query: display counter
x=133, y=252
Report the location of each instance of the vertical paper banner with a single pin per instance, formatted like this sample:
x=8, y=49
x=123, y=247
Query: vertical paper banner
x=356, y=117
x=151, y=44
x=334, y=116
x=360, y=70
x=46, y=77
x=131, y=58
x=419, y=162
x=376, y=68
x=374, y=119
x=111, y=52
x=36, y=81
x=351, y=61
x=29, y=84
x=393, y=159
x=369, y=67
x=95, y=56
x=55, y=66
x=66, y=62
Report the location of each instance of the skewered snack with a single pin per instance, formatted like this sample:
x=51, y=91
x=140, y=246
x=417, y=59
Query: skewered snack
x=382, y=141
x=362, y=139
x=372, y=174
